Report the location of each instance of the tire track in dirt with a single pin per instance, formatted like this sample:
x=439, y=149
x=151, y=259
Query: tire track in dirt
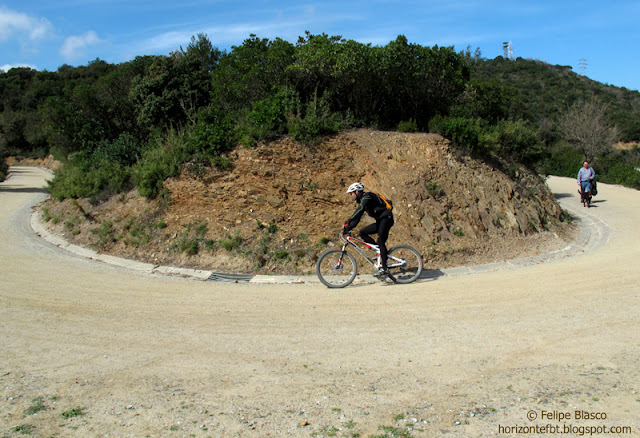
x=453, y=356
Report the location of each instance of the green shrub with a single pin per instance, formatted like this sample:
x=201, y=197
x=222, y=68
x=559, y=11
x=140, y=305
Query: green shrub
x=434, y=189
x=281, y=254
x=188, y=246
x=514, y=140
x=111, y=177
x=106, y=170
x=222, y=163
x=231, y=242
x=188, y=241
x=125, y=150
x=461, y=131
x=74, y=181
x=272, y=228
x=83, y=177
x=24, y=429
x=105, y=233
x=4, y=169
x=160, y=162
x=212, y=133
x=263, y=244
x=197, y=165
x=139, y=234
x=562, y=161
x=46, y=216
x=70, y=224
x=611, y=171
x=166, y=158
x=436, y=124
x=393, y=432
x=75, y=412
x=36, y=406
x=210, y=244
x=408, y=126
x=317, y=121
x=267, y=118
x=151, y=172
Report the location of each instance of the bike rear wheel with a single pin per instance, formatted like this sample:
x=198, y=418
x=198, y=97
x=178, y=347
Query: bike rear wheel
x=336, y=268
x=404, y=263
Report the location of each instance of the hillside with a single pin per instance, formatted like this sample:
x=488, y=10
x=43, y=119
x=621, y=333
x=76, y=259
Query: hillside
x=545, y=91
x=283, y=203
x=139, y=122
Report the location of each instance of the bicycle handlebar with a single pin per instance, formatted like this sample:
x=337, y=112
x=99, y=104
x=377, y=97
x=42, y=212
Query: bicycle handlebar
x=343, y=236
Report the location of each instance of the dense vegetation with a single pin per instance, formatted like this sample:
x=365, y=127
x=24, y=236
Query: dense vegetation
x=576, y=117
x=137, y=123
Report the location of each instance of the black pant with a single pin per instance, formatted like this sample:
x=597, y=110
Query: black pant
x=381, y=228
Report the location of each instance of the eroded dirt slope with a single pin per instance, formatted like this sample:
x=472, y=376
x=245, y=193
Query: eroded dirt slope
x=283, y=203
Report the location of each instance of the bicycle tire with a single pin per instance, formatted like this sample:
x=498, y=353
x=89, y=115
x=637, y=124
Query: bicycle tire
x=333, y=275
x=411, y=269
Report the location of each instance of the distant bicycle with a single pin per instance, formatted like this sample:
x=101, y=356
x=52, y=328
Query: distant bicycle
x=337, y=267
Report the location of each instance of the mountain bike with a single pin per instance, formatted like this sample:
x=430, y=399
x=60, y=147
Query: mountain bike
x=338, y=268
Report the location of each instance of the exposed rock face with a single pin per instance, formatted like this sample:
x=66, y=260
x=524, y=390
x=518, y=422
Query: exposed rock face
x=445, y=194
x=284, y=200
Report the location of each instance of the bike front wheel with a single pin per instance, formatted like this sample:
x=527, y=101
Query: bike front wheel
x=336, y=268
x=404, y=263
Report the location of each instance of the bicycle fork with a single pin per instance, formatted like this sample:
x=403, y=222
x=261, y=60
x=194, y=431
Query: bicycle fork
x=339, y=264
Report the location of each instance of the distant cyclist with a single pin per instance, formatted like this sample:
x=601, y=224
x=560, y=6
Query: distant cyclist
x=380, y=209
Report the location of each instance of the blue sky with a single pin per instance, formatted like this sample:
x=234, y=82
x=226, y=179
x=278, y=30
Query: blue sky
x=46, y=34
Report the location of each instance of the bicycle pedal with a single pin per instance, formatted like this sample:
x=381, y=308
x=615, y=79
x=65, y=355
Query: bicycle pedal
x=381, y=274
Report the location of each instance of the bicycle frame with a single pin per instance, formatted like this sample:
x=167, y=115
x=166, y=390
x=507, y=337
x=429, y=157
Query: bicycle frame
x=352, y=241
x=349, y=240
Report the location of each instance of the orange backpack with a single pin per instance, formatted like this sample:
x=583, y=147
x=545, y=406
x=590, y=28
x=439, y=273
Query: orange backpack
x=386, y=201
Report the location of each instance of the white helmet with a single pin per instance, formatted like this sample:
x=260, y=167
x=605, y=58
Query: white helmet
x=356, y=187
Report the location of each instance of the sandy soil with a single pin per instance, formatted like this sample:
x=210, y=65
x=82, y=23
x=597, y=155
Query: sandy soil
x=89, y=350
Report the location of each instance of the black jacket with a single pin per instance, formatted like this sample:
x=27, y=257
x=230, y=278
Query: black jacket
x=373, y=204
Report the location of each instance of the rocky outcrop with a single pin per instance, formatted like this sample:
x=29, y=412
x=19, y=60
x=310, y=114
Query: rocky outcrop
x=286, y=202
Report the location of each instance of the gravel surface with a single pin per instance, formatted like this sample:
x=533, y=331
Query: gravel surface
x=94, y=350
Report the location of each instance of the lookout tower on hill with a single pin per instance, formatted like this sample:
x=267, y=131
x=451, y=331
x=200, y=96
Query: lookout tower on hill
x=507, y=47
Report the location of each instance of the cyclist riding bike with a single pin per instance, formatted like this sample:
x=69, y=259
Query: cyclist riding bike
x=380, y=209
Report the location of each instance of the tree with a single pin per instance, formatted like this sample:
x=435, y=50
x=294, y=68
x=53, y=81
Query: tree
x=4, y=168
x=488, y=99
x=315, y=64
x=419, y=82
x=251, y=72
x=175, y=87
x=22, y=91
x=585, y=126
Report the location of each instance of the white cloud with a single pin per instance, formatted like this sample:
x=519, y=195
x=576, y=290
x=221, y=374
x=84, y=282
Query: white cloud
x=218, y=35
x=73, y=46
x=8, y=67
x=15, y=23
x=167, y=41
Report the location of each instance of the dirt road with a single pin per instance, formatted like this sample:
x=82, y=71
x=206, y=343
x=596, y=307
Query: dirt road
x=91, y=350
